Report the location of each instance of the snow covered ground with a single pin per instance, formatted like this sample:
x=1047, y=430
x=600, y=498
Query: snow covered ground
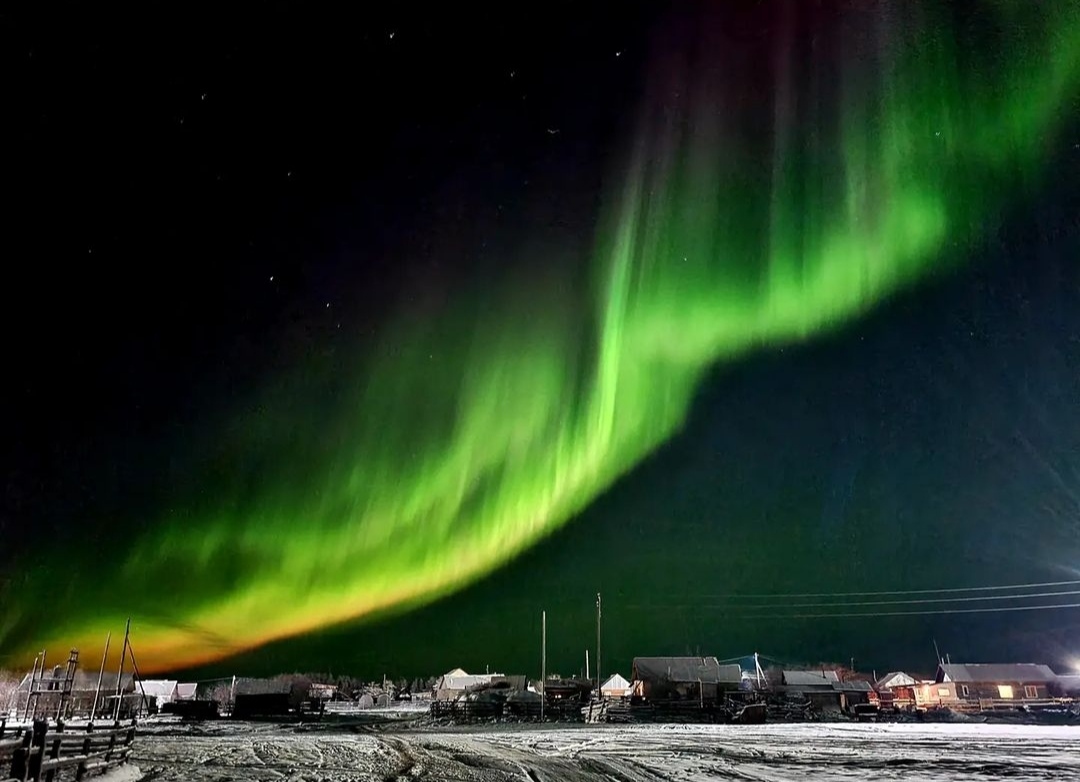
x=246, y=752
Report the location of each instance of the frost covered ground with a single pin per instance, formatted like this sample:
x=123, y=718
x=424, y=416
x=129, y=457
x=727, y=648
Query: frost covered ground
x=245, y=752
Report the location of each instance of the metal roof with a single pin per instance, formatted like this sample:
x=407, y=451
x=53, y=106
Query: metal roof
x=162, y=689
x=896, y=679
x=810, y=678
x=992, y=672
x=853, y=685
x=615, y=682
x=706, y=670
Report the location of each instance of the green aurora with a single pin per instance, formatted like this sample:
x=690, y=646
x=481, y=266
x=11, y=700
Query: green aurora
x=462, y=440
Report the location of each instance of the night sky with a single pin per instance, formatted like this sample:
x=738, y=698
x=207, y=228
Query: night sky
x=351, y=343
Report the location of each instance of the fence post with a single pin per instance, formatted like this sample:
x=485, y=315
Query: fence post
x=80, y=772
x=112, y=742
x=19, y=760
x=55, y=752
x=37, y=750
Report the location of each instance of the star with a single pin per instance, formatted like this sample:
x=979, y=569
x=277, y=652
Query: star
x=203, y=96
x=392, y=36
x=552, y=131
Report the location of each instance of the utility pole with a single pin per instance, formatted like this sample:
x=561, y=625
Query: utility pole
x=120, y=672
x=543, y=662
x=598, y=682
x=101, y=673
x=587, y=676
x=937, y=652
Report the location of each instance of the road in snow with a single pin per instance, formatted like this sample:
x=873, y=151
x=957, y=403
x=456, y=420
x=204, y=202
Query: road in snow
x=246, y=752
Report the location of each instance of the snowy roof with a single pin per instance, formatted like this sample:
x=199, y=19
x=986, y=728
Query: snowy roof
x=157, y=688
x=456, y=672
x=464, y=682
x=810, y=678
x=615, y=682
x=186, y=692
x=706, y=670
x=982, y=672
x=896, y=679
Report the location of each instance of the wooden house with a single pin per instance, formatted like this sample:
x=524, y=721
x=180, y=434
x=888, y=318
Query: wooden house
x=896, y=690
x=825, y=689
x=684, y=678
x=992, y=685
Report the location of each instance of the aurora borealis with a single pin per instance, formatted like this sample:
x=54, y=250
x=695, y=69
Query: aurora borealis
x=767, y=191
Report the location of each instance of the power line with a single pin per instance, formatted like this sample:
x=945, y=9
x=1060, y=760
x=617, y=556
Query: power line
x=851, y=614
x=951, y=590
x=970, y=599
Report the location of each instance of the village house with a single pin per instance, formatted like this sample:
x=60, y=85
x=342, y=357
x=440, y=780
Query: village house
x=896, y=690
x=684, y=678
x=158, y=691
x=978, y=685
x=826, y=690
x=453, y=684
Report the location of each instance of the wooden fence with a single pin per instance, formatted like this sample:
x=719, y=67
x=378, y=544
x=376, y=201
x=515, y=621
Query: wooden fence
x=48, y=753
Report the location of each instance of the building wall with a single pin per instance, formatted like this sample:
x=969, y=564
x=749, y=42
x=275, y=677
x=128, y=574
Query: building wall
x=1014, y=691
x=944, y=694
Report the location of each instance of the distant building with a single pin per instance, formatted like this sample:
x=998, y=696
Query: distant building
x=615, y=687
x=684, y=678
x=186, y=691
x=454, y=684
x=825, y=689
x=897, y=690
x=986, y=685
x=322, y=692
x=162, y=691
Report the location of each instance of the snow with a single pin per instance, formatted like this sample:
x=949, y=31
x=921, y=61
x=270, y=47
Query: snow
x=498, y=753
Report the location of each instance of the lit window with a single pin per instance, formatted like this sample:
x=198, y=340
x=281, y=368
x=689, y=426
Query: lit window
x=943, y=692
x=1031, y=691
x=1005, y=691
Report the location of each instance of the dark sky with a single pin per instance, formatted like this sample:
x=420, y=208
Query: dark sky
x=188, y=191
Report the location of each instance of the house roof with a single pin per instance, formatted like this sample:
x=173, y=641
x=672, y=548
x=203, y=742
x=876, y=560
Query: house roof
x=186, y=691
x=810, y=678
x=991, y=672
x=853, y=685
x=158, y=688
x=706, y=670
x=896, y=679
x=615, y=682
x=449, y=682
x=84, y=681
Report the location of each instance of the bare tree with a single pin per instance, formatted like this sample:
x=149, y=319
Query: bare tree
x=9, y=685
